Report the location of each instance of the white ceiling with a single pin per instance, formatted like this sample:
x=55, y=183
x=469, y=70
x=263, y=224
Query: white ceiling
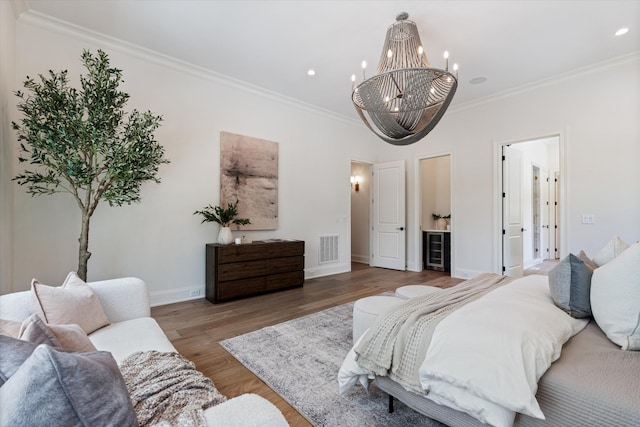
x=272, y=43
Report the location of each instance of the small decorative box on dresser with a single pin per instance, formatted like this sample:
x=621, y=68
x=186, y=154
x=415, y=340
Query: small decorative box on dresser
x=239, y=271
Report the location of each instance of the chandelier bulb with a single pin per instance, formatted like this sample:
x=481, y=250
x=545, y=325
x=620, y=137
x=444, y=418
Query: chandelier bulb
x=455, y=68
x=446, y=60
x=364, y=67
x=389, y=53
x=353, y=81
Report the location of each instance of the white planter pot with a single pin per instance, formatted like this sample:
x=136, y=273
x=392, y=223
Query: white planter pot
x=441, y=224
x=224, y=236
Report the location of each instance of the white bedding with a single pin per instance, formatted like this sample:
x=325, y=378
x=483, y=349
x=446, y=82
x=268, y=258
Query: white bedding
x=496, y=349
x=485, y=358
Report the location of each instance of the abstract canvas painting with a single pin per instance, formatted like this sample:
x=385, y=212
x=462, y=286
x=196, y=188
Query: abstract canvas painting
x=249, y=175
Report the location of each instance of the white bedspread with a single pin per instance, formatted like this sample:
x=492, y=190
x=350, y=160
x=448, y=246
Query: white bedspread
x=485, y=358
x=496, y=349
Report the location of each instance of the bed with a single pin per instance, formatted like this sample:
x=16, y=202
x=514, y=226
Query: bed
x=571, y=373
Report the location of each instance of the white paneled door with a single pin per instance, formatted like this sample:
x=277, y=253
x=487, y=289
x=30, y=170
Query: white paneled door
x=512, y=228
x=388, y=232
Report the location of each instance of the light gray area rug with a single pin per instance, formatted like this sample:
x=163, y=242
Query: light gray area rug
x=300, y=359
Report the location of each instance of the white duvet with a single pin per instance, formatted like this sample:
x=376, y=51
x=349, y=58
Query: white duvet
x=485, y=358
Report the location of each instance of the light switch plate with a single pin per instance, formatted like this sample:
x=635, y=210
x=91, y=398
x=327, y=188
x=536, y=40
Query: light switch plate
x=588, y=219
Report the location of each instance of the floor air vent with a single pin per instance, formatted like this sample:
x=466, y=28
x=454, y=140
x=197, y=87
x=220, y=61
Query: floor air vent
x=329, y=248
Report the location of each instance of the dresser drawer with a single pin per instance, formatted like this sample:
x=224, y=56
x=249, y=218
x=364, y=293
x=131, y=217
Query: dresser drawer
x=283, y=265
x=240, y=288
x=242, y=270
x=284, y=280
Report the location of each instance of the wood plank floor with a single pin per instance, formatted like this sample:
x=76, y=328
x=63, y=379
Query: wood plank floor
x=196, y=327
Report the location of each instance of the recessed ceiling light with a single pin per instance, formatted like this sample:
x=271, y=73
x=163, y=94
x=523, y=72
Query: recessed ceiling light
x=622, y=31
x=478, y=80
x=311, y=72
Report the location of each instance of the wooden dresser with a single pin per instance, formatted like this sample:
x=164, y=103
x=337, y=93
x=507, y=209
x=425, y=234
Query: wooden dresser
x=239, y=271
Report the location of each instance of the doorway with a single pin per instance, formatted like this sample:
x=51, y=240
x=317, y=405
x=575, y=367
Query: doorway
x=360, y=212
x=436, y=216
x=530, y=225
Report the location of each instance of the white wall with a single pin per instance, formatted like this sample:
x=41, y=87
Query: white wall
x=159, y=239
x=594, y=111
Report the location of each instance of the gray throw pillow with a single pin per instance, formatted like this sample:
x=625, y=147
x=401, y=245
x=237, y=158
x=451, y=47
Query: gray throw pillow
x=570, y=286
x=13, y=354
x=55, y=387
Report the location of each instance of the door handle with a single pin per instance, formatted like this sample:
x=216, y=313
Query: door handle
x=400, y=228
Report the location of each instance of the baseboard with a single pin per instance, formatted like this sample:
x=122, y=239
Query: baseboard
x=462, y=273
x=362, y=259
x=176, y=295
x=326, y=270
x=531, y=262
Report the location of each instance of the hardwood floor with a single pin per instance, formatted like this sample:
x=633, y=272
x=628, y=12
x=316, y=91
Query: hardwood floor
x=196, y=327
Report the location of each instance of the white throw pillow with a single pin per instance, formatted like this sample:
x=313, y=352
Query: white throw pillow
x=615, y=298
x=611, y=250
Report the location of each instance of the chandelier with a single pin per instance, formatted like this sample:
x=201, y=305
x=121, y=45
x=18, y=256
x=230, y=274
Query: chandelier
x=406, y=98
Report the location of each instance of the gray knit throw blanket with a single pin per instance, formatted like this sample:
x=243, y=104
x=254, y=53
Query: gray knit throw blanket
x=167, y=390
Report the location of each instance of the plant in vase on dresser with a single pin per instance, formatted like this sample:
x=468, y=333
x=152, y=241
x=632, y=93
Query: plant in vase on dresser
x=224, y=217
x=441, y=221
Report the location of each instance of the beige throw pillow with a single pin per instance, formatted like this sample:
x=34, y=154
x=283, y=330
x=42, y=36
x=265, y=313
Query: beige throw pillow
x=68, y=337
x=72, y=303
x=611, y=250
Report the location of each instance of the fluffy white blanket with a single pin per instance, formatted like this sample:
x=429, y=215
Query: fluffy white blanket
x=486, y=357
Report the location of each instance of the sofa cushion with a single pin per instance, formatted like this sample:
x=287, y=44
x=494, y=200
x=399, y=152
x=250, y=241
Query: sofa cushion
x=570, y=286
x=234, y=413
x=69, y=337
x=125, y=338
x=55, y=387
x=611, y=250
x=74, y=302
x=615, y=298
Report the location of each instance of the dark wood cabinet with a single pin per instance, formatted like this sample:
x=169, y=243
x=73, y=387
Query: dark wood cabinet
x=239, y=271
x=436, y=250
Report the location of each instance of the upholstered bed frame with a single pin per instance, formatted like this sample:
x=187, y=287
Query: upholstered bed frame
x=593, y=383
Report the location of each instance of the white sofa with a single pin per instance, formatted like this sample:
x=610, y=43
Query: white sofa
x=126, y=303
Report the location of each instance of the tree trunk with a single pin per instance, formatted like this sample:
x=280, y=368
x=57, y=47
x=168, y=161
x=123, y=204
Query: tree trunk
x=83, y=253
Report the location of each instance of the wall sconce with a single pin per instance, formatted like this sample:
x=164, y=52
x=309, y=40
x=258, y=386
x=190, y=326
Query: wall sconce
x=355, y=182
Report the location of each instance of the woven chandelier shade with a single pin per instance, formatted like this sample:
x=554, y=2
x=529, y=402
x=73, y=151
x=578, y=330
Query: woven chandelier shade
x=406, y=98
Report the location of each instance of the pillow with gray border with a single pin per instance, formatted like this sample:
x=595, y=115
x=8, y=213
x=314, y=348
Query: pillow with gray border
x=56, y=387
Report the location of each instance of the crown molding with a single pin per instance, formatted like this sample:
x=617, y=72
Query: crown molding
x=549, y=81
x=50, y=23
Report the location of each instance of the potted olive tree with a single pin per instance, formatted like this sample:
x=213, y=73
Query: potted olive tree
x=224, y=217
x=82, y=141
